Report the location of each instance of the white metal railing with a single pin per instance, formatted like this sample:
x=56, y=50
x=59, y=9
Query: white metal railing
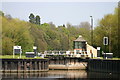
x=70, y=53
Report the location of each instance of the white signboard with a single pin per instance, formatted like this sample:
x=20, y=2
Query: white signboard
x=17, y=50
x=34, y=47
x=98, y=48
x=105, y=41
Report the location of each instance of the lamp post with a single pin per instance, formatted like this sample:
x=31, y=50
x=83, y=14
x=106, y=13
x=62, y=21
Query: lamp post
x=91, y=30
x=91, y=33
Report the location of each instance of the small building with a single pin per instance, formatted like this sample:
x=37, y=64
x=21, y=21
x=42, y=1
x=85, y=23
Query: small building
x=79, y=46
x=82, y=49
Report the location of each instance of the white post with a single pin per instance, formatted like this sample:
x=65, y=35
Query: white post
x=20, y=55
x=59, y=52
x=92, y=53
x=20, y=52
x=74, y=52
x=13, y=52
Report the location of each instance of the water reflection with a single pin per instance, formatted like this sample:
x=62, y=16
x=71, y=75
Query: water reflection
x=103, y=75
x=59, y=74
x=49, y=74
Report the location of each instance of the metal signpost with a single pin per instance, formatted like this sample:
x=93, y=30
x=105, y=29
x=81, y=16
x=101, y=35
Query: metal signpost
x=17, y=50
x=35, y=50
x=91, y=35
x=105, y=43
x=98, y=52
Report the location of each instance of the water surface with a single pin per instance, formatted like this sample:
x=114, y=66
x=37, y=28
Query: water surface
x=58, y=75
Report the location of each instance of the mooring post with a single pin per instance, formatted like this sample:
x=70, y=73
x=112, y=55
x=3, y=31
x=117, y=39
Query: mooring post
x=43, y=65
x=19, y=66
x=47, y=65
x=31, y=65
x=35, y=65
x=10, y=66
x=69, y=60
x=25, y=67
x=5, y=66
x=40, y=65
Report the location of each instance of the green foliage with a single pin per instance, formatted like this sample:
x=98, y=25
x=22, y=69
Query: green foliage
x=7, y=46
x=1, y=13
x=37, y=20
x=108, y=26
x=15, y=32
x=38, y=36
x=18, y=57
x=49, y=37
x=34, y=20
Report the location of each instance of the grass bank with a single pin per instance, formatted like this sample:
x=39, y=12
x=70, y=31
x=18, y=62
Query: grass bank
x=18, y=57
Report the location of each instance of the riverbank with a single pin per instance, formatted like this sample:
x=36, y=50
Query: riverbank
x=18, y=57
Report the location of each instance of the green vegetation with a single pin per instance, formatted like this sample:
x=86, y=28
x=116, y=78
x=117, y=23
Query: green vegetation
x=116, y=58
x=108, y=26
x=108, y=58
x=47, y=36
x=18, y=57
x=15, y=32
x=34, y=20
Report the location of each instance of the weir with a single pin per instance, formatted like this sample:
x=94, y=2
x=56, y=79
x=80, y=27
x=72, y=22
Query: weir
x=24, y=65
x=37, y=65
x=61, y=62
x=104, y=65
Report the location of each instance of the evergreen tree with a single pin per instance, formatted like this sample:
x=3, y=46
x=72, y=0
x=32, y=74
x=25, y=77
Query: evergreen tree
x=32, y=18
x=37, y=20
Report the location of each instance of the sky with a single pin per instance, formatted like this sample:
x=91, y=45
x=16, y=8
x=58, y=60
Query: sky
x=60, y=12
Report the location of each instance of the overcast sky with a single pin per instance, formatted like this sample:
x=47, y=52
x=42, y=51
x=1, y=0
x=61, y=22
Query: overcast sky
x=59, y=12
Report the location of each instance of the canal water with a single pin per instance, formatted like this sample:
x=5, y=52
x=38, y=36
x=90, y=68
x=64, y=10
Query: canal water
x=58, y=75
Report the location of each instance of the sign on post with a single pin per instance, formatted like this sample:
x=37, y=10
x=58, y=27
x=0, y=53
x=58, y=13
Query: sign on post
x=105, y=41
x=17, y=50
x=35, y=50
x=98, y=52
x=34, y=47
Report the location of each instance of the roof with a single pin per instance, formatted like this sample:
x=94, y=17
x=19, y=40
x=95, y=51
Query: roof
x=80, y=38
